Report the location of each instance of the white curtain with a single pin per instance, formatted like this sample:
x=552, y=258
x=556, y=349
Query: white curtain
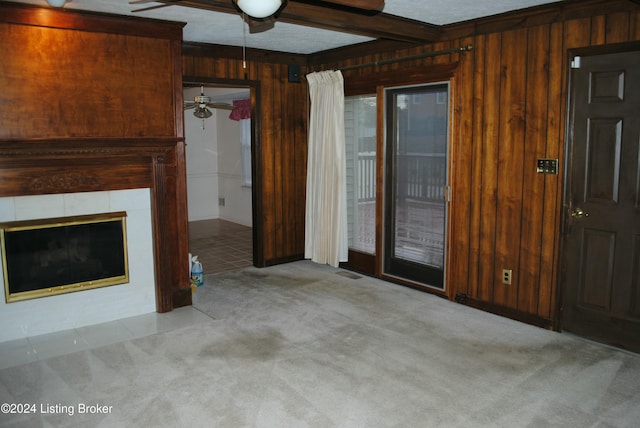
x=326, y=238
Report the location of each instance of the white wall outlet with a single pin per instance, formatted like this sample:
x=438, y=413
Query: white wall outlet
x=506, y=276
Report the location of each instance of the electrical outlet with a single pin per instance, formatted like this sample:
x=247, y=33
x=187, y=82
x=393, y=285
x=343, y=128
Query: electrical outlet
x=221, y=202
x=506, y=276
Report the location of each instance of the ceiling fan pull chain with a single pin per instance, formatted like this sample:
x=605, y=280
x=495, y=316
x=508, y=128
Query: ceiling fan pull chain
x=244, y=47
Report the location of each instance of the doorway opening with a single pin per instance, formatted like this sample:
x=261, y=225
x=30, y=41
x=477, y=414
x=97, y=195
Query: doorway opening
x=219, y=178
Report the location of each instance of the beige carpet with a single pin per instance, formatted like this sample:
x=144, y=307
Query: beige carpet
x=298, y=345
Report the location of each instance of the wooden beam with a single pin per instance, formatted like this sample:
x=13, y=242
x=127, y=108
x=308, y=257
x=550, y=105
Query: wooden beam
x=372, y=24
x=376, y=25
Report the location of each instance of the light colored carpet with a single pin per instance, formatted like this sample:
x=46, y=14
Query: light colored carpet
x=299, y=345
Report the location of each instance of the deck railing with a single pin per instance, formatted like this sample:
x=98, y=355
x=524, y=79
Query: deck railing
x=423, y=177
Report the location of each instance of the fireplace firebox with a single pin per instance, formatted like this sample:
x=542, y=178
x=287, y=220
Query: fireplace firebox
x=61, y=255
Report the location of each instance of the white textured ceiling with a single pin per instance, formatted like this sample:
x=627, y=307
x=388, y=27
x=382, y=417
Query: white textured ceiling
x=226, y=29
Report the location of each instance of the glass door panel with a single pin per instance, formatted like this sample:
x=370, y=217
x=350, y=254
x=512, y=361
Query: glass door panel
x=416, y=183
x=360, y=139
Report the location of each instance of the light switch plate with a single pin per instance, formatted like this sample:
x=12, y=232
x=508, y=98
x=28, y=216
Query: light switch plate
x=547, y=166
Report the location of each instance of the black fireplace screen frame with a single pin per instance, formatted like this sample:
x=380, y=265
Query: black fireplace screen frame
x=53, y=256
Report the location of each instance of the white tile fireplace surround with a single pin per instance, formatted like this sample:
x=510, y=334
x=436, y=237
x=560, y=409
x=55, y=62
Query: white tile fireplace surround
x=78, y=309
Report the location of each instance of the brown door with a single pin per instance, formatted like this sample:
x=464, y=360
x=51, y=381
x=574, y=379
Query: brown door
x=601, y=298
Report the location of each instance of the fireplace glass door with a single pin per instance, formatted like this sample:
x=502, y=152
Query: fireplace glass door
x=49, y=256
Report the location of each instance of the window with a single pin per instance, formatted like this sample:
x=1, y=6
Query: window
x=360, y=142
x=245, y=144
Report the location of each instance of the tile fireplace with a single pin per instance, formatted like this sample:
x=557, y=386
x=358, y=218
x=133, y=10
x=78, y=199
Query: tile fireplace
x=65, y=311
x=144, y=177
x=89, y=139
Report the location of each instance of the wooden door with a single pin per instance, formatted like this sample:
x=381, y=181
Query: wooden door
x=601, y=298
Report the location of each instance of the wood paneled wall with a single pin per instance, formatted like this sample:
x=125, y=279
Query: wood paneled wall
x=280, y=143
x=509, y=107
x=66, y=75
x=90, y=102
x=508, y=110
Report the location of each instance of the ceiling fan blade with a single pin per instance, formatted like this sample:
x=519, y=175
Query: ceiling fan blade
x=163, y=3
x=223, y=106
x=359, y=4
x=189, y=105
x=151, y=8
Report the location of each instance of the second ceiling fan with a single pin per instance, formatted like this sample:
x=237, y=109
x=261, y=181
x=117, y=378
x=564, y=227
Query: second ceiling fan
x=201, y=104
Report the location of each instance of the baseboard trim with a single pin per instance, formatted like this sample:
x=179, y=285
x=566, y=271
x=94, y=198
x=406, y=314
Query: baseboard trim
x=282, y=260
x=504, y=311
x=182, y=297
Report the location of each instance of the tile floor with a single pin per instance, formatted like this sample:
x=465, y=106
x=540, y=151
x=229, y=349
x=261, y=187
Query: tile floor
x=23, y=351
x=220, y=245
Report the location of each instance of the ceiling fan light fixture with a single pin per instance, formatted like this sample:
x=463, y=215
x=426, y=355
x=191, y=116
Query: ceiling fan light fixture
x=202, y=113
x=56, y=3
x=259, y=8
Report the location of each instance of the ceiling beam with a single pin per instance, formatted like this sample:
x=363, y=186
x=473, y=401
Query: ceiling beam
x=372, y=24
x=377, y=25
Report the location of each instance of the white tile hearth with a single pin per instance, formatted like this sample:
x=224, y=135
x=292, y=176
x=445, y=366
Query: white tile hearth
x=37, y=348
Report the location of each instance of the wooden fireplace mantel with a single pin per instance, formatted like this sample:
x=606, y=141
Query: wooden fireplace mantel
x=45, y=166
x=98, y=160
x=94, y=102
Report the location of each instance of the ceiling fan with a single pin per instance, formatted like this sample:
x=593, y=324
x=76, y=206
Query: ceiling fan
x=260, y=15
x=202, y=102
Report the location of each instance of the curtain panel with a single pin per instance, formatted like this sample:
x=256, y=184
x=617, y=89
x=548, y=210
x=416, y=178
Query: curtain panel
x=326, y=239
x=242, y=110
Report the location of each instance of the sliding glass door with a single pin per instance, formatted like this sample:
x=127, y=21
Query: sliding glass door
x=360, y=139
x=416, y=183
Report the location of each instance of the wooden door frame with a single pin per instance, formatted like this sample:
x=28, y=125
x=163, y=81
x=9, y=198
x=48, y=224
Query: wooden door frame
x=387, y=204
x=257, y=209
x=566, y=181
x=376, y=83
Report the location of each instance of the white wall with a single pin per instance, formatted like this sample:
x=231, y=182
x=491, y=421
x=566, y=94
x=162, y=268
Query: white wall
x=237, y=207
x=77, y=309
x=202, y=162
x=213, y=162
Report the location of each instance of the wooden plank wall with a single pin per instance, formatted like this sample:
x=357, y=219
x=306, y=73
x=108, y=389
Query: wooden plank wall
x=50, y=91
x=508, y=110
x=280, y=144
x=509, y=105
x=65, y=114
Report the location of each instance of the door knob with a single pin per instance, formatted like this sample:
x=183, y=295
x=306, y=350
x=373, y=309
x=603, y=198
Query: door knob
x=579, y=213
